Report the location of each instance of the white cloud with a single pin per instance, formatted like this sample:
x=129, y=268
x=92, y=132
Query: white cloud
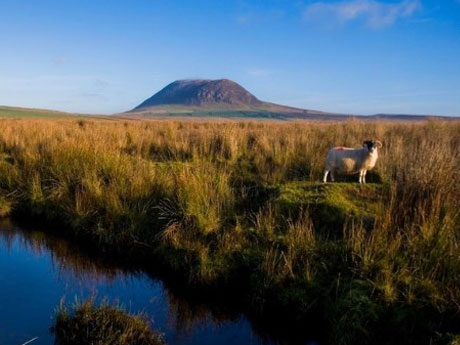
x=375, y=14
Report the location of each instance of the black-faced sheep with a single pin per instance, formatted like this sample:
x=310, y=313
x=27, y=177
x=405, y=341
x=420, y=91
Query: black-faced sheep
x=345, y=160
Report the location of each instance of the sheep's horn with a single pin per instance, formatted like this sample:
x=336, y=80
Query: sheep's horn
x=379, y=144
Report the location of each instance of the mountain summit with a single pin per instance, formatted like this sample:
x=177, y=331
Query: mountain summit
x=222, y=92
x=216, y=98
x=224, y=98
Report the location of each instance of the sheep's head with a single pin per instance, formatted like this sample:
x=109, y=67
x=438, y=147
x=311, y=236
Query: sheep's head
x=372, y=145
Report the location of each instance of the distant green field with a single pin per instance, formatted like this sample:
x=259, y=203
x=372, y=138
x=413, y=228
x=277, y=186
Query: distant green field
x=12, y=112
x=219, y=113
x=228, y=114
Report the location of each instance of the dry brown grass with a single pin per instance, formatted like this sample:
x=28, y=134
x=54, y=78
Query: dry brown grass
x=200, y=194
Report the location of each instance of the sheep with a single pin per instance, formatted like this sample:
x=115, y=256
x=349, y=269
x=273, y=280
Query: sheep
x=352, y=160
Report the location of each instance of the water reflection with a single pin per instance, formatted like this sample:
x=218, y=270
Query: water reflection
x=37, y=270
x=66, y=259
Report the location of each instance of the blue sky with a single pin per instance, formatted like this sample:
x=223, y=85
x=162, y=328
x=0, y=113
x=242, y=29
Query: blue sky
x=352, y=56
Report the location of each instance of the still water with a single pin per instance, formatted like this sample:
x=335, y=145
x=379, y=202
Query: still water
x=38, y=270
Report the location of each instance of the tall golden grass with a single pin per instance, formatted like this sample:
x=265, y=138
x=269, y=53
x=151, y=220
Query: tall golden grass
x=200, y=195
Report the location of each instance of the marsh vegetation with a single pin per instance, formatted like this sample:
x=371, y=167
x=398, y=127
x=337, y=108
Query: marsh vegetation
x=88, y=323
x=238, y=205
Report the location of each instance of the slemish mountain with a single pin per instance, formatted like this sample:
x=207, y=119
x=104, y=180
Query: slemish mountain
x=207, y=99
x=225, y=98
x=218, y=98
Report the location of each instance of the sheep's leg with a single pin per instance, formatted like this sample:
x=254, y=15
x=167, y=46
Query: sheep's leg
x=332, y=176
x=326, y=172
x=364, y=176
x=361, y=175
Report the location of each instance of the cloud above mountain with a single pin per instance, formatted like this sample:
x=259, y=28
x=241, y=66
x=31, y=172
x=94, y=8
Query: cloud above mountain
x=374, y=14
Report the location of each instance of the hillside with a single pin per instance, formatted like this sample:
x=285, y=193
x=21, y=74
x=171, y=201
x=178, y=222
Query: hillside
x=218, y=98
x=224, y=98
x=202, y=93
x=208, y=99
x=33, y=113
x=17, y=112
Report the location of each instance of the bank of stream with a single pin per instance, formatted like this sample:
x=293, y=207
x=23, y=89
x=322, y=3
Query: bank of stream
x=38, y=270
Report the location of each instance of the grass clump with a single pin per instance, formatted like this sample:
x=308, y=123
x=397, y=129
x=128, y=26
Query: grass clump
x=5, y=207
x=102, y=325
x=331, y=205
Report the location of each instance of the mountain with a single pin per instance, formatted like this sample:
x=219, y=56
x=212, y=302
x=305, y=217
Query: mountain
x=202, y=93
x=224, y=98
x=221, y=98
x=218, y=98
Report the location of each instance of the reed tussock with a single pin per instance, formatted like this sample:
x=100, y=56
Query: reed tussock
x=204, y=198
x=102, y=324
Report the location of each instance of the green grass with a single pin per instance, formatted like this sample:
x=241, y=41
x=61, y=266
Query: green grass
x=238, y=206
x=13, y=112
x=331, y=205
x=102, y=325
x=204, y=113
